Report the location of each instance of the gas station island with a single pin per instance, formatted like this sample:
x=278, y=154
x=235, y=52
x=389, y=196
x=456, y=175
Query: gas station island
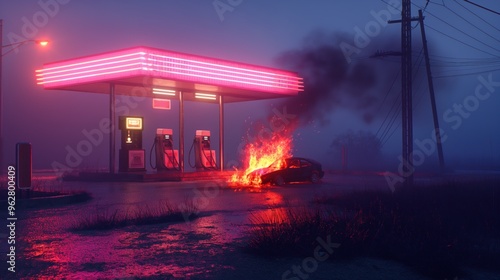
x=163, y=76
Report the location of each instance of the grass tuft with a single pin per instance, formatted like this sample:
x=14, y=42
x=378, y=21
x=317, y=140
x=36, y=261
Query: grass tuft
x=144, y=215
x=435, y=229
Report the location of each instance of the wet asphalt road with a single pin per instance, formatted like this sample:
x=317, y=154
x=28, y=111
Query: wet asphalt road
x=204, y=248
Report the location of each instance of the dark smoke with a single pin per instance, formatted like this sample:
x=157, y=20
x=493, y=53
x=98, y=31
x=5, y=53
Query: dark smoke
x=331, y=82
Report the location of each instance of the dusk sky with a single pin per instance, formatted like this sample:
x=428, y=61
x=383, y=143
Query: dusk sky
x=256, y=32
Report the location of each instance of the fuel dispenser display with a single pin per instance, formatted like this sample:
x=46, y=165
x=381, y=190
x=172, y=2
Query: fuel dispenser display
x=132, y=155
x=166, y=157
x=204, y=156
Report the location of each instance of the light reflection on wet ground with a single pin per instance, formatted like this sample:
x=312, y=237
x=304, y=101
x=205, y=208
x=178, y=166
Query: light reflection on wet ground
x=179, y=250
x=199, y=248
x=48, y=249
x=207, y=247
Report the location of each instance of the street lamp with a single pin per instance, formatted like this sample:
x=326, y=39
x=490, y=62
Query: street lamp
x=17, y=45
x=13, y=46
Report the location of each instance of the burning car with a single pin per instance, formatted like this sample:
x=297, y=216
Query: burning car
x=294, y=169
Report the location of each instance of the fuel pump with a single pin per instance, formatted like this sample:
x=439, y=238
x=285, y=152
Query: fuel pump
x=204, y=156
x=132, y=156
x=166, y=157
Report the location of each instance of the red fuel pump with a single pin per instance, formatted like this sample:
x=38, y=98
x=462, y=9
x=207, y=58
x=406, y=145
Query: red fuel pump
x=166, y=157
x=204, y=156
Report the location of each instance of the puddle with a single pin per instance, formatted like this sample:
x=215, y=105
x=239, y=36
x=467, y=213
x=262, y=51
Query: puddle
x=204, y=246
x=167, y=250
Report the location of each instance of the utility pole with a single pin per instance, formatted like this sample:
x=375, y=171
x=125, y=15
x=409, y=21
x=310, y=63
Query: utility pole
x=406, y=93
x=431, y=92
x=406, y=74
x=2, y=170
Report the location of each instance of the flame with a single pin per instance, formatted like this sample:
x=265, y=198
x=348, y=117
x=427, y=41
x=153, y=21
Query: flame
x=261, y=157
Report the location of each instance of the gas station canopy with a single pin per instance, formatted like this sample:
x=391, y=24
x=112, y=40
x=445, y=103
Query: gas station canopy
x=152, y=72
x=165, y=75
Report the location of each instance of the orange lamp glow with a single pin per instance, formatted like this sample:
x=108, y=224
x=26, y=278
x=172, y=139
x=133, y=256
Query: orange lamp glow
x=42, y=43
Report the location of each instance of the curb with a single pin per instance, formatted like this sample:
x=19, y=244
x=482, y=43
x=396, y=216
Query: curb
x=54, y=201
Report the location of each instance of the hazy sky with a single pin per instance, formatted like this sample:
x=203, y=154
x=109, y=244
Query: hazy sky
x=257, y=32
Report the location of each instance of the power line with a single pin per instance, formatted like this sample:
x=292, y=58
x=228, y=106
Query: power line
x=443, y=67
x=477, y=16
x=454, y=64
x=392, y=106
x=453, y=28
x=457, y=29
x=390, y=89
x=396, y=114
x=393, y=117
x=416, y=105
x=466, y=74
x=482, y=7
x=466, y=63
x=423, y=11
x=448, y=68
x=442, y=3
x=461, y=41
x=463, y=58
x=392, y=133
x=391, y=5
x=448, y=8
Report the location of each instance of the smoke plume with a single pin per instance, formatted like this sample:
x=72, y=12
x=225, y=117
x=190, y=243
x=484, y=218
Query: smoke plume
x=331, y=81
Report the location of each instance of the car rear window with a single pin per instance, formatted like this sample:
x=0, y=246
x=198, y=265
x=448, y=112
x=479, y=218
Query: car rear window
x=305, y=163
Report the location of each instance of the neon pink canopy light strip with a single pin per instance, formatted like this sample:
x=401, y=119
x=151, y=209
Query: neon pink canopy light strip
x=169, y=65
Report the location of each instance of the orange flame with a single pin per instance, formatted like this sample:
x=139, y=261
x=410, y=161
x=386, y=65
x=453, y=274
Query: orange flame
x=258, y=158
